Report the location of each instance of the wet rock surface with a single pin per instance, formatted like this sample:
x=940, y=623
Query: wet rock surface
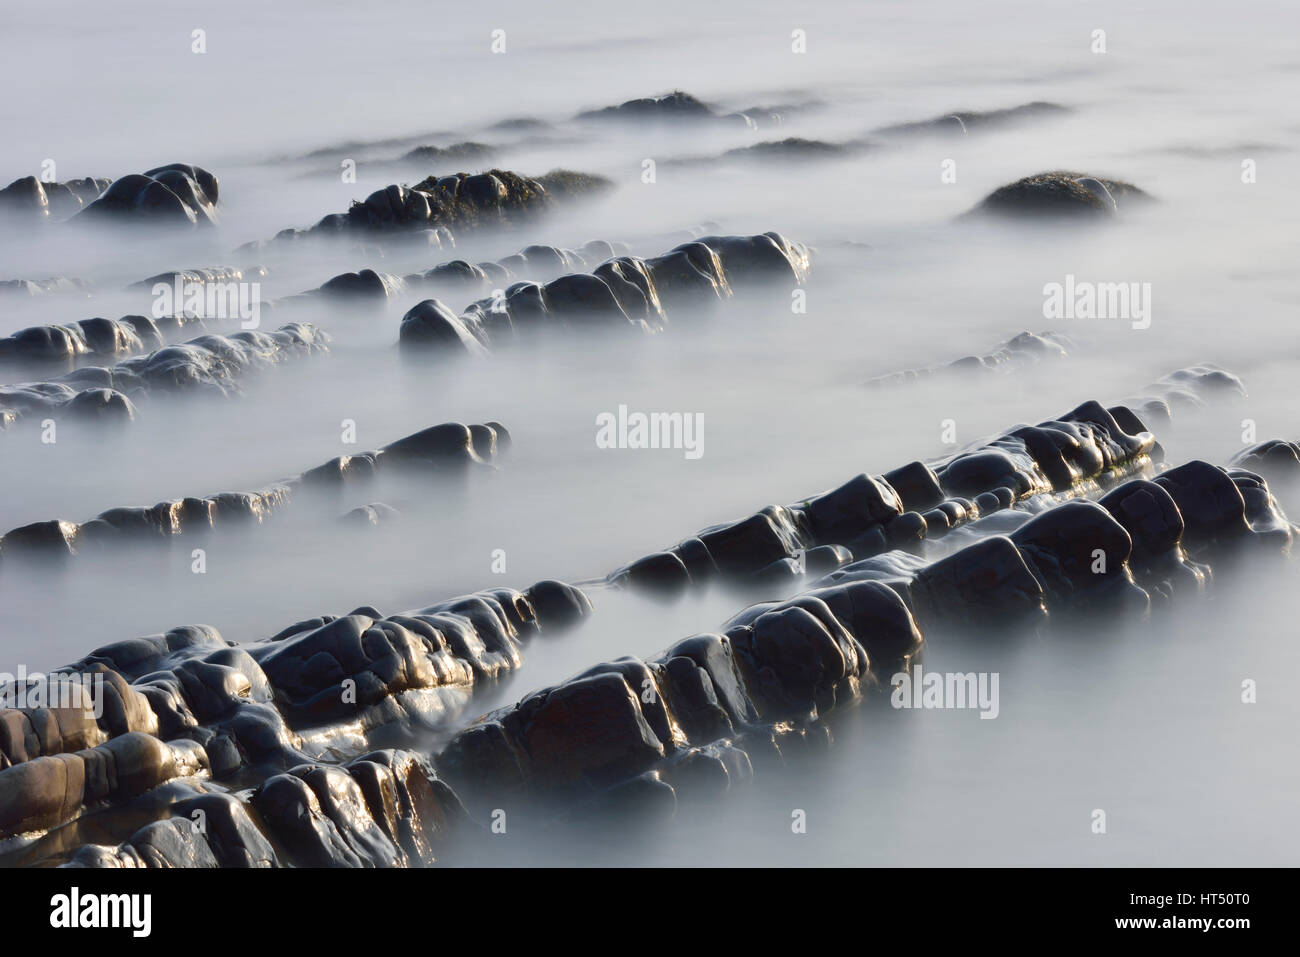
x=178, y=194
x=210, y=364
x=622, y=293
x=188, y=719
x=447, y=449
x=1029, y=468
x=31, y=199
x=436, y=208
x=271, y=746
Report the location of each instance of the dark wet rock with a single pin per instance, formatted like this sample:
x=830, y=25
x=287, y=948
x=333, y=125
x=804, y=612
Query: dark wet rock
x=1149, y=514
x=30, y=198
x=202, y=180
x=624, y=293
x=385, y=808
x=867, y=516
x=1207, y=498
x=53, y=789
x=382, y=810
x=557, y=605
x=441, y=449
x=1056, y=455
x=1077, y=542
x=188, y=703
x=207, y=830
x=534, y=263
x=95, y=403
x=987, y=581
x=435, y=209
x=1156, y=529
x=453, y=201
x=366, y=284
x=1277, y=460
x=432, y=326
x=1061, y=194
x=98, y=337
x=178, y=194
x=25, y=197
x=695, y=719
x=215, y=363
x=208, y=364
x=685, y=716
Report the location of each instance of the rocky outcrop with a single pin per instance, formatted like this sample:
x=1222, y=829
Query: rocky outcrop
x=440, y=449
x=1277, y=461
x=1059, y=194
x=178, y=194
x=211, y=364
x=438, y=207
x=189, y=717
x=30, y=198
x=699, y=717
x=632, y=733
x=98, y=337
x=691, y=716
x=1082, y=451
x=626, y=292
x=536, y=263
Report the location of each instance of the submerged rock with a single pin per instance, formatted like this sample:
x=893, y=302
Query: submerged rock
x=30, y=198
x=441, y=449
x=438, y=207
x=189, y=704
x=211, y=364
x=962, y=122
x=1021, y=351
x=625, y=292
x=869, y=515
x=177, y=194
x=1061, y=194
